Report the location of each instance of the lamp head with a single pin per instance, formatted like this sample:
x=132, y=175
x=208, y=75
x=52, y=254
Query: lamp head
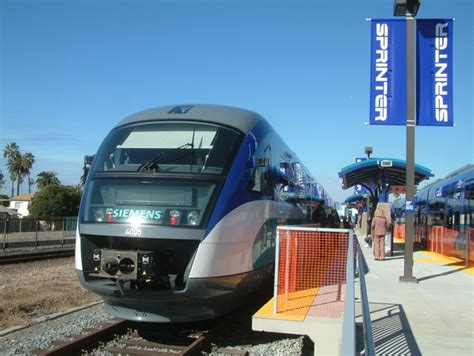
x=368, y=151
x=406, y=7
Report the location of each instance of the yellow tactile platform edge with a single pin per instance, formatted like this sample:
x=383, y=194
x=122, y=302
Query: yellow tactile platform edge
x=295, y=308
x=438, y=258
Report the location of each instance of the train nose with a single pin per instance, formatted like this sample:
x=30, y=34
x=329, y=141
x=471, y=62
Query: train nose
x=111, y=266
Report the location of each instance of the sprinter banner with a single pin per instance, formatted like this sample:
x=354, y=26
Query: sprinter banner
x=388, y=72
x=434, y=87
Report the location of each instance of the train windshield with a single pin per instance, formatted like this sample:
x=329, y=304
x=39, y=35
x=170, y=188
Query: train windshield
x=163, y=173
x=170, y=147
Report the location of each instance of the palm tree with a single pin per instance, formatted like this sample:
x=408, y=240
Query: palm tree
x=11, y=153
x=18, y=166
x=2, y=181
x=27, y=164
x=31, y=182
x=47, y=178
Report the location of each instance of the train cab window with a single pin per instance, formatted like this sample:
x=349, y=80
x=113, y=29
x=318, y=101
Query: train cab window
x=170, y=147
x=262, y=179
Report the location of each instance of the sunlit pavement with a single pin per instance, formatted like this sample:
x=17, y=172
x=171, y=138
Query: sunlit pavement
x=432, y=317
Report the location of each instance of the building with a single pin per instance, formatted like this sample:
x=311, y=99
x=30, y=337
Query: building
x=7, y=213
x=20, y=203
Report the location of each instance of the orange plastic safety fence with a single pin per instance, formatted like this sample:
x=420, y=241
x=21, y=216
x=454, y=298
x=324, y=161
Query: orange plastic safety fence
x=312, y=271
x=443, y=240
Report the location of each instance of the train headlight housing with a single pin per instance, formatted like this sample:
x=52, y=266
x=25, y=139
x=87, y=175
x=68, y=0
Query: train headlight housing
x=99, y=215
x=174, y=216
x=193, y=218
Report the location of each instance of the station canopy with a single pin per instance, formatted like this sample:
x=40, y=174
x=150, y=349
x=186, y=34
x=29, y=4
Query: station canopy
x=374, y=170
x=354, y=199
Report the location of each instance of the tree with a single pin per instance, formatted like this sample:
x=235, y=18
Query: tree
x=55, y=201
x=27, y=164
x=19, y=165
x=31, y=182
x=4, y=200
x=2, y=181
x=11, y=153
x=45, y=179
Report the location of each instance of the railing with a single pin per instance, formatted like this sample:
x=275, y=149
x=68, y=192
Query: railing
x=18, y=233
x=315, y=270
x=362, y=269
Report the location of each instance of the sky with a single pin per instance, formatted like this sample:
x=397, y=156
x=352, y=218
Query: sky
x=71, y=69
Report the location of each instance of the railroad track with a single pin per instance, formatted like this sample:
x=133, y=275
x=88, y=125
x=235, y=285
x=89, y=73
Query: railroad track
x=121, y=337
x=138, y=339
x=35, y=255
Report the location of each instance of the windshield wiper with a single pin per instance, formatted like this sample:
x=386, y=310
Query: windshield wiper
x=154, y=163
x=148, y=166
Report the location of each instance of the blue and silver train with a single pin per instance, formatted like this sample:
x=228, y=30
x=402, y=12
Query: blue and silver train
x=179, y=212
x=444, y=222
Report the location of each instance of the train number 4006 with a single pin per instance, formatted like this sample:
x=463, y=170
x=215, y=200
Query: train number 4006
x=132, y=231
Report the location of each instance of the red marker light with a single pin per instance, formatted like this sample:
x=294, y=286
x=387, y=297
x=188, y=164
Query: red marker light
x=110, y=218
x=173, y=220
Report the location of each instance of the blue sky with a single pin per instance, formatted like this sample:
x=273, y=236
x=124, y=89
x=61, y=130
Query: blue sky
x=71, y=69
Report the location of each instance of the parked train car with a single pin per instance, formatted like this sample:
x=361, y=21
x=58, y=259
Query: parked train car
x=445, y=215
x=179, y=212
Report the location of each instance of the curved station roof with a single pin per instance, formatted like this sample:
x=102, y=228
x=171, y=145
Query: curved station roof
x=370, y=171
x=354, y=199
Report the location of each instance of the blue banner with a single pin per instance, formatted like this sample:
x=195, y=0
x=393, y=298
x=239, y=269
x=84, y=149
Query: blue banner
x=434, y=72
x=388, y=72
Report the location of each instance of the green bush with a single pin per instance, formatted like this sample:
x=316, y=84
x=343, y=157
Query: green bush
x=55, y=201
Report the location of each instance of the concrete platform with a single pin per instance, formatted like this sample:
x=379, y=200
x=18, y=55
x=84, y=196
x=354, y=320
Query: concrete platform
x=315, y=312
x=432, y=317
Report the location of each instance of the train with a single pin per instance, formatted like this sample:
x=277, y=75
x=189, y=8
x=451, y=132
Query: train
x=179, y=211
x=444, y=220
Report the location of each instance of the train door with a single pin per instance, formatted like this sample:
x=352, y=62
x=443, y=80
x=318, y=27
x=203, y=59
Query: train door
x=263, y=182
x=268, y=176
x=455, y=233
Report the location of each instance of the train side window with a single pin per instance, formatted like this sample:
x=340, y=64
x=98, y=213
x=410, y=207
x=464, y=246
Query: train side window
x=255, y=182
x=262, y=179
x=469, y=198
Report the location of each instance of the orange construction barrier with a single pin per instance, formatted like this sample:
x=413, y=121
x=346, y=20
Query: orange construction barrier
x=311, y=269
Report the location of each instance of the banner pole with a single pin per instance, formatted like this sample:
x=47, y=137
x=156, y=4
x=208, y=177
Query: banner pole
x=410, y=151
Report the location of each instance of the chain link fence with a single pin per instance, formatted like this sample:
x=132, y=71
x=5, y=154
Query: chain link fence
x=17, y=233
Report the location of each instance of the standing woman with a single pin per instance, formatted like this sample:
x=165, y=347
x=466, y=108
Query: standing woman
x=379, y=229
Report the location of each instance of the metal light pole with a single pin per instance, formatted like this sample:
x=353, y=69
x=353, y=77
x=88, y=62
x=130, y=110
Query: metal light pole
x=409, y=8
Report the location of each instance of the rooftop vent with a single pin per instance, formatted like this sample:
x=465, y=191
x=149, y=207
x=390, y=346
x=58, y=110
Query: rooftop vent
x=385, y=163
x=182, y=109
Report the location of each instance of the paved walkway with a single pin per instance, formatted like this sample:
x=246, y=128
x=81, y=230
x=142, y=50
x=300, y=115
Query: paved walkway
x=432, y=317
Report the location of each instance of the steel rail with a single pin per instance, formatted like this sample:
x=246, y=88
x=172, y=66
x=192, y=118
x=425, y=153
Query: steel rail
x=35, y=256
x=75, y=346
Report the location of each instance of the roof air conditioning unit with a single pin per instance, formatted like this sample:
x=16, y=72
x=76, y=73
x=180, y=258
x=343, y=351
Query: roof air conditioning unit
x=385, y=163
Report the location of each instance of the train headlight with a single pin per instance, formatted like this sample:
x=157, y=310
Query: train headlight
x=136, y=221
x=174, y=216
x=193, y=218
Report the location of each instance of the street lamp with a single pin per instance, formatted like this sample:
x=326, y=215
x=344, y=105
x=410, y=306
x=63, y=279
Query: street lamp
x=409, y=9
x=406, y=7
x=368, y=151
